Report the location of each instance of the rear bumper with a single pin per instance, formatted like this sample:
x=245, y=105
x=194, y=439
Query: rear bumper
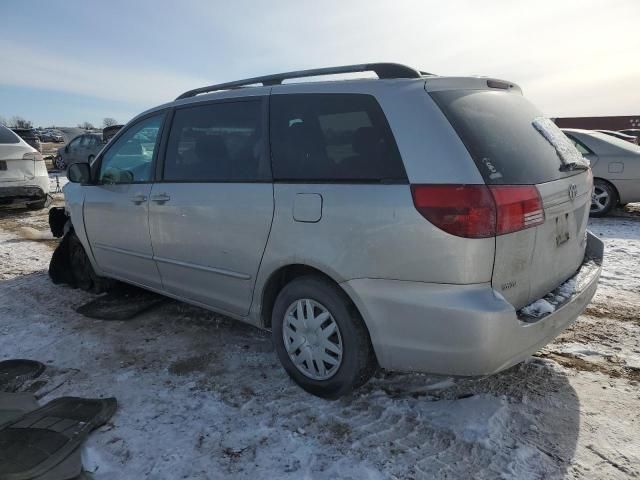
x=24, y=192
x=462, y=329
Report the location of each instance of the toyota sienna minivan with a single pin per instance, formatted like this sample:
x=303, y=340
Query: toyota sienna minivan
x=413, y=222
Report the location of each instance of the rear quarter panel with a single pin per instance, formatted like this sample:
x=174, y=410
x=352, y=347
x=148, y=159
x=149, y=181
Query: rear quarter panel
x=373, y=230
x=370, y=231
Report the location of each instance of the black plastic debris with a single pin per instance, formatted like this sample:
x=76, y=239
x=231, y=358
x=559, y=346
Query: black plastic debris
x=123, y=303
x=14, y=405
x=14, y=373
x=43, y=444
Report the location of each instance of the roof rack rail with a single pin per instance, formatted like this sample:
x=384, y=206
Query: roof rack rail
x=383, y=70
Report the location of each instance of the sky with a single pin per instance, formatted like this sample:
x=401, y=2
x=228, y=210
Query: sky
x=66, y=62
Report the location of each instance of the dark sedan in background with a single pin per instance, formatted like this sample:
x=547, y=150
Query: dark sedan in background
x=84, y=148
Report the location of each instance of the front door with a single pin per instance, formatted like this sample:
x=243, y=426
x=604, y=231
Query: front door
x=72, y=150
x=210, y=216
x=116, y=210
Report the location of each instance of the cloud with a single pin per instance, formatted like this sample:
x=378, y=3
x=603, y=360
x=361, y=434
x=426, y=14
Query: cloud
x=90, y=76
x=571, y=57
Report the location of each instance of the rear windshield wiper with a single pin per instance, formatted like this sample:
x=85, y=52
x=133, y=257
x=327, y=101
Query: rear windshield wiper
x=567, y=167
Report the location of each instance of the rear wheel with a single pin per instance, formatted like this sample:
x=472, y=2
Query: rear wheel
x=603, y=199
x=321, y=339
x=59, y=163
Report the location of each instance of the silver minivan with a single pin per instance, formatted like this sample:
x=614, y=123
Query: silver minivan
x=412, y=222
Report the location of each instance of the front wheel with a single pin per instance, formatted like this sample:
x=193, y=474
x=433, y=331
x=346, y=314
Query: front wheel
x=321, y=339
x=83, y=274
x=603, y=199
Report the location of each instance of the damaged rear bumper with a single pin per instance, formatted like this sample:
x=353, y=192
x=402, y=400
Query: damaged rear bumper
x=463, y=330
x=24, y=193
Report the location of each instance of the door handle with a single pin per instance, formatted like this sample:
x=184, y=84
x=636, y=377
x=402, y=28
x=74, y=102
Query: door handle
x=139, y=198
x=160, y=198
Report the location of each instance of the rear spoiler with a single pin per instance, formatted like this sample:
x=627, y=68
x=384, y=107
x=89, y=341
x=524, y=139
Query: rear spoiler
x=433, y=84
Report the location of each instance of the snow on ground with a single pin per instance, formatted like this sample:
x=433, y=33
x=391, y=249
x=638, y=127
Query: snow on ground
x=201, y=396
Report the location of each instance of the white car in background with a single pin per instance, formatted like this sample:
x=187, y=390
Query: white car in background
x=615, y=164
x=23, y=173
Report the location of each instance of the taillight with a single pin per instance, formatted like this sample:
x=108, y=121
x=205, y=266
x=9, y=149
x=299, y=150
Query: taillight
x=463, y=210
x=479, y=211
x=518, y=207
x=34, y=156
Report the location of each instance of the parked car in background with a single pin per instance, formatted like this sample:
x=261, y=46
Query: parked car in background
x=616, y=168
x=109, y=132
x=632, y=131
x=29, y=135
x=50, y=136
x=44, y=136
x=23, y=173
x=411, y=221
x=620, y=135
x=82, y=148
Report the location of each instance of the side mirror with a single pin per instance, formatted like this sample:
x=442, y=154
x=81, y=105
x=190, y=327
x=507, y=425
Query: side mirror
x=79, y=173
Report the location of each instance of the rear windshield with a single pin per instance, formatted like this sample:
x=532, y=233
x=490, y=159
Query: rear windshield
x=7, y=136
x=502, y=133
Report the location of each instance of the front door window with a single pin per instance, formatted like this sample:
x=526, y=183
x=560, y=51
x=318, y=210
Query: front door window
x=130, y=158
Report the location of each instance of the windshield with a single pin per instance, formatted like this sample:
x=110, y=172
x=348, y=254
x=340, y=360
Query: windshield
x=508, y=138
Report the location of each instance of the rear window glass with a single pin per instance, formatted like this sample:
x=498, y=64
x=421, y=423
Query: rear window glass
x=499, y=132
x=7, y=136
x=332, y=137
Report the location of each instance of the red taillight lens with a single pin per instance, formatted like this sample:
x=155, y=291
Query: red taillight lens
x=518, y=207
x=463, y=210
x=479, y=211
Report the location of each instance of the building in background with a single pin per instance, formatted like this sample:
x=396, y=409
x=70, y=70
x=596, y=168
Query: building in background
x=599, y=123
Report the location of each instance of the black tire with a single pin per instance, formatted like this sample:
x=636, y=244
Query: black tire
x=358, y=359
x=611, y=201
x=84, y=275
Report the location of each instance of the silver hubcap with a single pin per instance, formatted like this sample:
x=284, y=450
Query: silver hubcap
x=59, y=163
x=599, y=199
x=312, y=339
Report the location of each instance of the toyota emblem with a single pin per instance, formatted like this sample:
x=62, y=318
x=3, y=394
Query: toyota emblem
x=573, y=191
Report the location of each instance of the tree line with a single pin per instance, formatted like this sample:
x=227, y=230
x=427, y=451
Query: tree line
x=19, y=122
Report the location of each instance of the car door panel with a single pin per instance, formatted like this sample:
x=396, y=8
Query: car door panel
x=117, y=225
x=208, y=240
x=116, y=209
x=211, y=214
x=71, y=151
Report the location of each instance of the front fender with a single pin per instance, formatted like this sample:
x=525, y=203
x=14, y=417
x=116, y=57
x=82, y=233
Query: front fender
x=74, y=195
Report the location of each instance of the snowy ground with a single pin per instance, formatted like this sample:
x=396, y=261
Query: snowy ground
x=203, y=397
